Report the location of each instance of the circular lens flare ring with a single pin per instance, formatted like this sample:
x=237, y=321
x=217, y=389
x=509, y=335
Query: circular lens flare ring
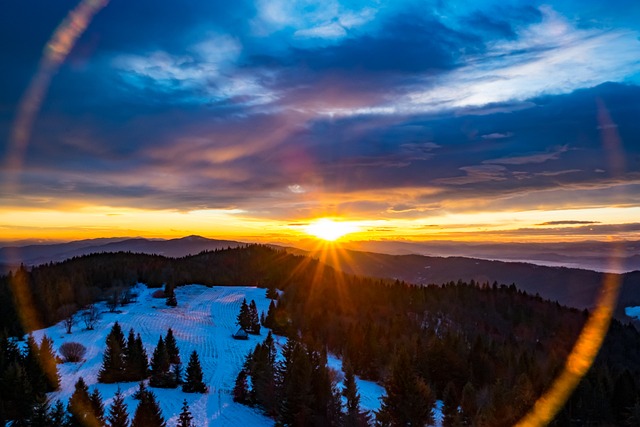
x=330, y=230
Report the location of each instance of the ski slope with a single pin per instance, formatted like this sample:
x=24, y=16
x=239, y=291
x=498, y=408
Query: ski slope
x=204, y=320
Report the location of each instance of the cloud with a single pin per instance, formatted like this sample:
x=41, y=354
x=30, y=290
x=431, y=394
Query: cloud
x=518, y=69
x=529, y=158
x=497, y=135
x=568, y=222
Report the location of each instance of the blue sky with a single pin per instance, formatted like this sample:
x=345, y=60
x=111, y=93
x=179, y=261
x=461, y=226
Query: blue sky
x=284, y=111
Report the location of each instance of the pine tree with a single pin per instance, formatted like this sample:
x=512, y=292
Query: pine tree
x=193, y=382
x=296, y=398
x=58, y=415
x=354, y=417
x=130, y=357
x=118, y=416
x=148, y=412
x=185, y=418
x=142, y=389
x=172, y=347
x=113, y=359
x=260, y=366
x=140, y=364
x=40, y=416
x=254, y=319
x=32, y=367
x=160, y=366
x=325, y=404
x=241, y=388
x=270, y=320
x=17, y=394
x=176, y=374
x=244, y=318
x=409, y=400
x=450, y=411
x=48, y=364
x=272, y=293
x=80, y=408
x=97, y=405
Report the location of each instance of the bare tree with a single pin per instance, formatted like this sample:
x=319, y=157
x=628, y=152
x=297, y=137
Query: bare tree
x=91, y=316
x=67, y=313
x=113, y=300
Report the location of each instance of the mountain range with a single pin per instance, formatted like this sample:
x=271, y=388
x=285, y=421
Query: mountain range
x=577, y=287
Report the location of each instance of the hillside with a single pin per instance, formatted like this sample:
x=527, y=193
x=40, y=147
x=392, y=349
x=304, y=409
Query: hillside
x=569, y=286
x=203, y=321
x=468, y=344
x=575, y=287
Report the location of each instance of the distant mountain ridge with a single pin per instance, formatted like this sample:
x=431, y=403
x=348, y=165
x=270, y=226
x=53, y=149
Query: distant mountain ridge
x=570, y=286
x=174, y=248
x=614, y=257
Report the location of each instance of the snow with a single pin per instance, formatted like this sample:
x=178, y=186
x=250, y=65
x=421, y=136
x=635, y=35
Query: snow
x=204, y=320
x=632, y=312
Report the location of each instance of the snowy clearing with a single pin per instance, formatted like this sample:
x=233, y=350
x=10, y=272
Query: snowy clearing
x=204, y=320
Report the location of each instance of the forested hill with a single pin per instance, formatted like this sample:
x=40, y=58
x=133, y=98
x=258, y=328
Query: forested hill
x=487, y=351
x=570, y=286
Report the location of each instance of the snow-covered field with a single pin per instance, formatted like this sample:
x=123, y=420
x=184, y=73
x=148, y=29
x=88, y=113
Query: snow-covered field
x=204, y=320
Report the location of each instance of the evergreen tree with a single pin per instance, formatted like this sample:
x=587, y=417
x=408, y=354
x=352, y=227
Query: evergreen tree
x=254, y=319
x=40, y=416
x=17, y=394
x=450, y=406
x=176, y=374
x=113, y=359
x=130, y=357
x=325, y=404
x=160, y=376
x=409, y=400
x=172, y=347
x=140, y=362
x=48, y=364
x=261, y=368
x=142, y=389
x=97, y=406
x=295, y=373
x=354, y=417
x=185, y=419
x=148, y=412
x=270, y=320
x=193, y=382
x=80, y=408
x=58, y=415
x=118, y=416
x=32, y=367
x=272, y=293
x=244, y=317
x=241, y=388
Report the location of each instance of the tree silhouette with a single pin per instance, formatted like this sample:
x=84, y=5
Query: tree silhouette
x=193, y=382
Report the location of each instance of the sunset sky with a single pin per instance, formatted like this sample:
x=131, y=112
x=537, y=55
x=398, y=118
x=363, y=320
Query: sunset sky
x=456, y=120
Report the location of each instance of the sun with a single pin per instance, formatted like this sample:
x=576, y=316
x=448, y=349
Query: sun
x=330, y=230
